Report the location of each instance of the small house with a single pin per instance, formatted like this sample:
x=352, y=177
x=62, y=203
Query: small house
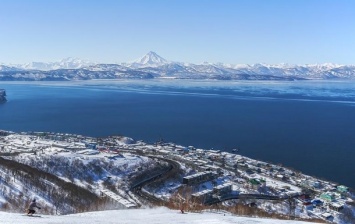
x=342, y=189
x=317, y=202
x=304, y=198
x=327, y=196
x=254, y=183
x=308, y=205
x=336, y=207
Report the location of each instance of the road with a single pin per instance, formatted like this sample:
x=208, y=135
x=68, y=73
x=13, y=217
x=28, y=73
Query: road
x=174, y=167
x=137, y=188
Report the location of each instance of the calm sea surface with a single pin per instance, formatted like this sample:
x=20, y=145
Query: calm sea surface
x=309, y=125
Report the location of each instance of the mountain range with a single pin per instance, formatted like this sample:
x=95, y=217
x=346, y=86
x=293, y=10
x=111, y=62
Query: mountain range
x=152, y=65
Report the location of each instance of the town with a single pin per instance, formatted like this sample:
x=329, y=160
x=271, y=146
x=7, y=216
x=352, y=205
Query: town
x=134, y=173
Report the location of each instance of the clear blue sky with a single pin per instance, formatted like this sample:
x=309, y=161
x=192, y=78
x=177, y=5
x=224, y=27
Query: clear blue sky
x=249, y=31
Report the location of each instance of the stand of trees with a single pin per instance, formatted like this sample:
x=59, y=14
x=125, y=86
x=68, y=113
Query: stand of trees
x=65, y=196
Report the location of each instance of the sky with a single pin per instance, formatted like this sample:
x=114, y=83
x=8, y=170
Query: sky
x=228, y=31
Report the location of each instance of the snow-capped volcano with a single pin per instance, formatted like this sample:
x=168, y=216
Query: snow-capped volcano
x=151, y=59
x=152, y=65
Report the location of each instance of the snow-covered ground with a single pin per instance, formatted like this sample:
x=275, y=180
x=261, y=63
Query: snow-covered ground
x=106, y=170
x=134, y=216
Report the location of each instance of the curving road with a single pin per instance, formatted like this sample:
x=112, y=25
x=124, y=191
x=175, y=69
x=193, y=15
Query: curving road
x=137, y=187
x=173, y=167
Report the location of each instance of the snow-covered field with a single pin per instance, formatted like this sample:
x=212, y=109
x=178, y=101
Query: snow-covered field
x=146, y=216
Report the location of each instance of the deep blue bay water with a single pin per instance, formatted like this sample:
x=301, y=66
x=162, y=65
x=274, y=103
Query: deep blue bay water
x=307, y=125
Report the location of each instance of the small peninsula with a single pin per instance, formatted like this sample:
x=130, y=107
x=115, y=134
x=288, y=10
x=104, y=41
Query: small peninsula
x=2, y=96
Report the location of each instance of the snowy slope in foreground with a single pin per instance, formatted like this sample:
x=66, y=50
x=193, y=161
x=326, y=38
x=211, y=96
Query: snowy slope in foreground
x=147, y=216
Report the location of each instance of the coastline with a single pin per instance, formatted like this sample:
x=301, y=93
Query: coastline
x=243, y=176
x=233, y=109
x=2, y=96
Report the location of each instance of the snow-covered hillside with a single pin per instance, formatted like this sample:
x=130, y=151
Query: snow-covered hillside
x=66, y=63
x=138, y=216
x=118, y=172
x=4, y=68
x=152, y=65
